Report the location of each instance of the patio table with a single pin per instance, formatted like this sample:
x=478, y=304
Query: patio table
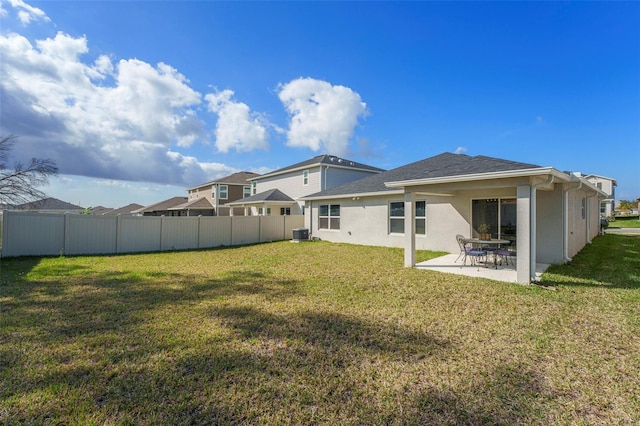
x=489, y=243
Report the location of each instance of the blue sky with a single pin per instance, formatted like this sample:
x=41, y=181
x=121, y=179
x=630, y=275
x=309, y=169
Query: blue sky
x=137, y=101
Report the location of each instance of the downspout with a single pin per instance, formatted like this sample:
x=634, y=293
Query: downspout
x=311, y=219
x=533, y=231
x=565, y=220
x=588, y=216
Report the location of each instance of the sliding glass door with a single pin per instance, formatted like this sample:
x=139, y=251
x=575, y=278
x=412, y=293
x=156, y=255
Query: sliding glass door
x=498, y=213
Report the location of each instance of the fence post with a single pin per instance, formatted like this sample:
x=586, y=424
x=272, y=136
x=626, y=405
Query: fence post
x=162, y=233
x=118, y=234
x=67, y=231
x=198, y=237
x=5, y=226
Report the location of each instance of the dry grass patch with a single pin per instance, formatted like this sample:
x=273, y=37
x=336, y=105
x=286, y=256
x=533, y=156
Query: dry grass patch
x=313, y=333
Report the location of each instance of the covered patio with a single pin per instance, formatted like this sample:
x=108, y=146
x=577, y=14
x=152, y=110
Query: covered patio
x=504, y=272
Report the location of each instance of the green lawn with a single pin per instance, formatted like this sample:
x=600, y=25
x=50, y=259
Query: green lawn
x=625, y=222
x=317, y=333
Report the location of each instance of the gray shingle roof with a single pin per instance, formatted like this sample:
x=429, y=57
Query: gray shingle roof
x=198, y=204
x=129, y=208
x=48, y=204
x=270, y=195
x=239, y=178
x=439, y=166
x=163, y=205
x=325, y=159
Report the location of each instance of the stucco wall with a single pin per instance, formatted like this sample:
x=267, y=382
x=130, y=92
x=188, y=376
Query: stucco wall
x=365, y=221
x=549, y=226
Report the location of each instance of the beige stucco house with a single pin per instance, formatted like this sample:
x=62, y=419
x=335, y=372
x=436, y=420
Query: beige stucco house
x=548, y=214
x=280, y=192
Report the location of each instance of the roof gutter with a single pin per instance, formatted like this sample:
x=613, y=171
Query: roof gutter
x=481, y=176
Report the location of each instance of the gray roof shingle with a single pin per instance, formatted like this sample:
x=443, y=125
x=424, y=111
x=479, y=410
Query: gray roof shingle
x=439, y=166
x=325, y=160
x=239, y=178
x=270, y=195
x=162, y=205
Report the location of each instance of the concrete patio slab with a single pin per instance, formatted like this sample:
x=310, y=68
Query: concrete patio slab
x=448, y=264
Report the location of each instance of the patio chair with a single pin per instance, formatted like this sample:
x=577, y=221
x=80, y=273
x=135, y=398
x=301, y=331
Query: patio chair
x=473, y=254
x=506, y=254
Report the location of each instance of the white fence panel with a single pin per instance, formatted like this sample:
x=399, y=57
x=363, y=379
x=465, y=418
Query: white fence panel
x=139, y=233
x=91, y=234
x=215, y=231
x=51, y=234
x=271, y=228
x=179, y=233
x=29, y=234
x=291, y=223
x=245, y=230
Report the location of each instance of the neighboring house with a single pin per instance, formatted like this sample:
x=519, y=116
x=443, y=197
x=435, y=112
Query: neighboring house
x=550, y=215
x=49, y=205
x=279, y=192
x=608, y=186
x=129, y=209
x=163, y=208
x=100, y=210
x=212, y=198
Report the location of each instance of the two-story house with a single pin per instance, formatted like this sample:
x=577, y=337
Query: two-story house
x=279, y=192
x=213, y=198
x=606, y=185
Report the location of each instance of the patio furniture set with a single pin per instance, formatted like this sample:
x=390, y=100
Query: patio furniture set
x=488, y=252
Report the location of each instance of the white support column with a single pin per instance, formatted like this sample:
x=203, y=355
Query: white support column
x=523, y=234
x=409, y=231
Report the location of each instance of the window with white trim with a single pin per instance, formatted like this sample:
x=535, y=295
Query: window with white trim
x=421, y=218
x=305, y=177
x=224, y=192
x=396, y=217
x=254, y=187
x=285, y=211
x=329, y=216
x=246, y=191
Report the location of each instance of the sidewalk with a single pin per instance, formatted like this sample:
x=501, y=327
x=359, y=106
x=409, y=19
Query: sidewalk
x=624, y=231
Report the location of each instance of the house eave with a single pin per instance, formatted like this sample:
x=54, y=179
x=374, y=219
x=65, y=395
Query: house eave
x=538, y=171
x=352, y=195
x=261, y=203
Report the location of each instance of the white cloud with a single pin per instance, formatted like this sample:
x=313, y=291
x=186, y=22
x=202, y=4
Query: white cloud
x=27, y=13
x=323, y=116
x=237, y=128
x=460, y=150
x=62, y=109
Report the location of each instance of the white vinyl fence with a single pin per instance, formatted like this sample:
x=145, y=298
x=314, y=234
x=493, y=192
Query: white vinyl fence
x=50, y=234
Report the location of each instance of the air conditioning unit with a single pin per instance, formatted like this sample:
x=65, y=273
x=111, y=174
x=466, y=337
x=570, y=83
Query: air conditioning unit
x=300, y=234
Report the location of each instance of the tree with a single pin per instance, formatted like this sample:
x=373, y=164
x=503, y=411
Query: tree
x=18, y=182
x=626, y=205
